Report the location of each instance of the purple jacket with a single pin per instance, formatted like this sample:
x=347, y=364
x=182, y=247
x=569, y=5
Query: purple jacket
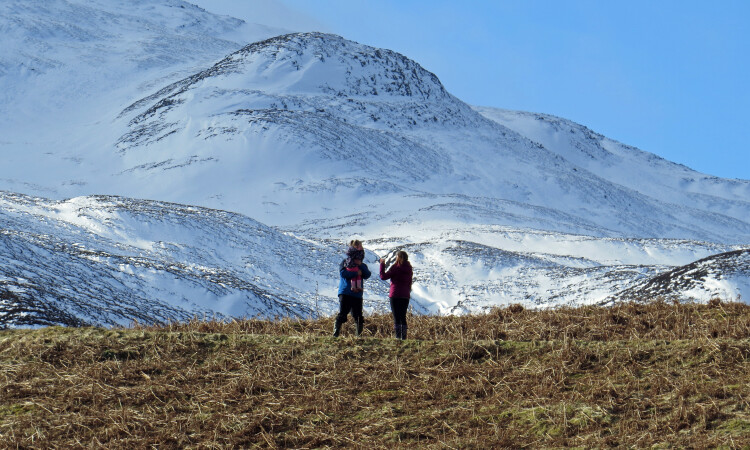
x=400, y=277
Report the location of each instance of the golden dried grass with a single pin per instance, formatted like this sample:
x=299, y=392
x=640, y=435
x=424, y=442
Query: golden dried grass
x=632, y=375
x=626, y=321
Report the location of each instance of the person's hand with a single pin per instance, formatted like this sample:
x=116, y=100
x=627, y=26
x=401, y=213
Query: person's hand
x=382, y=260
x=359, y=273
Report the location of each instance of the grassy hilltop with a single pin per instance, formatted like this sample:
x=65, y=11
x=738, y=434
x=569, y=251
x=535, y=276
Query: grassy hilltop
x=630, y=375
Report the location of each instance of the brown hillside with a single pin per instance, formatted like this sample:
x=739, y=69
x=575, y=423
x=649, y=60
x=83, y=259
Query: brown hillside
x=632, y=375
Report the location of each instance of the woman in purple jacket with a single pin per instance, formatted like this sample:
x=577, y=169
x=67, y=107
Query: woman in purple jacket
x=400, y=275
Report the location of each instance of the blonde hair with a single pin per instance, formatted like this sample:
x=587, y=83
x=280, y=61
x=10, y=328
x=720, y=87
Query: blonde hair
x=401, y=257
x=356, y=243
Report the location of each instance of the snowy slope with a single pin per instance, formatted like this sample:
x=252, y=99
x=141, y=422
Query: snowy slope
x=472, y=268
x=87, y=47
x=110, y=260
x=606, y=157
x=68, y=66
x=345, y=110
x=725, y=276
x=310, y=120
x=285, y=148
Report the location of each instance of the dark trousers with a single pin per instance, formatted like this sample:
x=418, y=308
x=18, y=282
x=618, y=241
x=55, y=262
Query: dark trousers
x=399, y=306
x=348, y=304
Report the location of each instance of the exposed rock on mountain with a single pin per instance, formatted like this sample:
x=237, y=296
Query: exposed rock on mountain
x=725, y=276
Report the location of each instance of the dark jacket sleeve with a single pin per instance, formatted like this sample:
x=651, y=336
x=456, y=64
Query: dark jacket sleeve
x=365, y=271
x=345, y=273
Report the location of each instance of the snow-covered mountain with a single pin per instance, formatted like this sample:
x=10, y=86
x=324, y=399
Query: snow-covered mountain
x=351, y=112
x=68, y=66
x=309, y=139
x=111, y=260
x=607, y=158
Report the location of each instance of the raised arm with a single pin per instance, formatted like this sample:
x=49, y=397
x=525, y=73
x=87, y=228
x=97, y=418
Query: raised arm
x=383, y=274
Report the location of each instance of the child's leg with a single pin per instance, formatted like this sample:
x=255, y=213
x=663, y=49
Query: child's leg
x=356, y=280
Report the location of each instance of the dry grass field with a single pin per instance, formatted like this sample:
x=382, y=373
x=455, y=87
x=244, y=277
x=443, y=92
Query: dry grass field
x=632, y=375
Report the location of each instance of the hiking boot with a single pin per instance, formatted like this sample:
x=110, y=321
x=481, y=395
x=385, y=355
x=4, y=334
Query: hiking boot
x=360, y=326
x=336, y=329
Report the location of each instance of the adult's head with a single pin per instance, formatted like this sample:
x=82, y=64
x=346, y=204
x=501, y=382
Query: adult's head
x=401, y=258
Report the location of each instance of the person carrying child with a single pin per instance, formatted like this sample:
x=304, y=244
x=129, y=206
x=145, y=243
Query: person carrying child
x=352, y=272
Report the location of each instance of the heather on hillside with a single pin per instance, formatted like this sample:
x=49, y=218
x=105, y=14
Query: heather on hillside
x=632, y=375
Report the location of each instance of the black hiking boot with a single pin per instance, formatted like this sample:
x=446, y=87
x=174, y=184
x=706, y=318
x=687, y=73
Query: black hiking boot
x=336, y=329
x=360, y=326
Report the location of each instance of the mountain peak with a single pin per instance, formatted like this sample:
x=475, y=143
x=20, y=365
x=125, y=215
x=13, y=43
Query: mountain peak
x=320, y=63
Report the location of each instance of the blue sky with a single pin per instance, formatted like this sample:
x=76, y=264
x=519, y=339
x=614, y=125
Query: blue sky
x=669, y=77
